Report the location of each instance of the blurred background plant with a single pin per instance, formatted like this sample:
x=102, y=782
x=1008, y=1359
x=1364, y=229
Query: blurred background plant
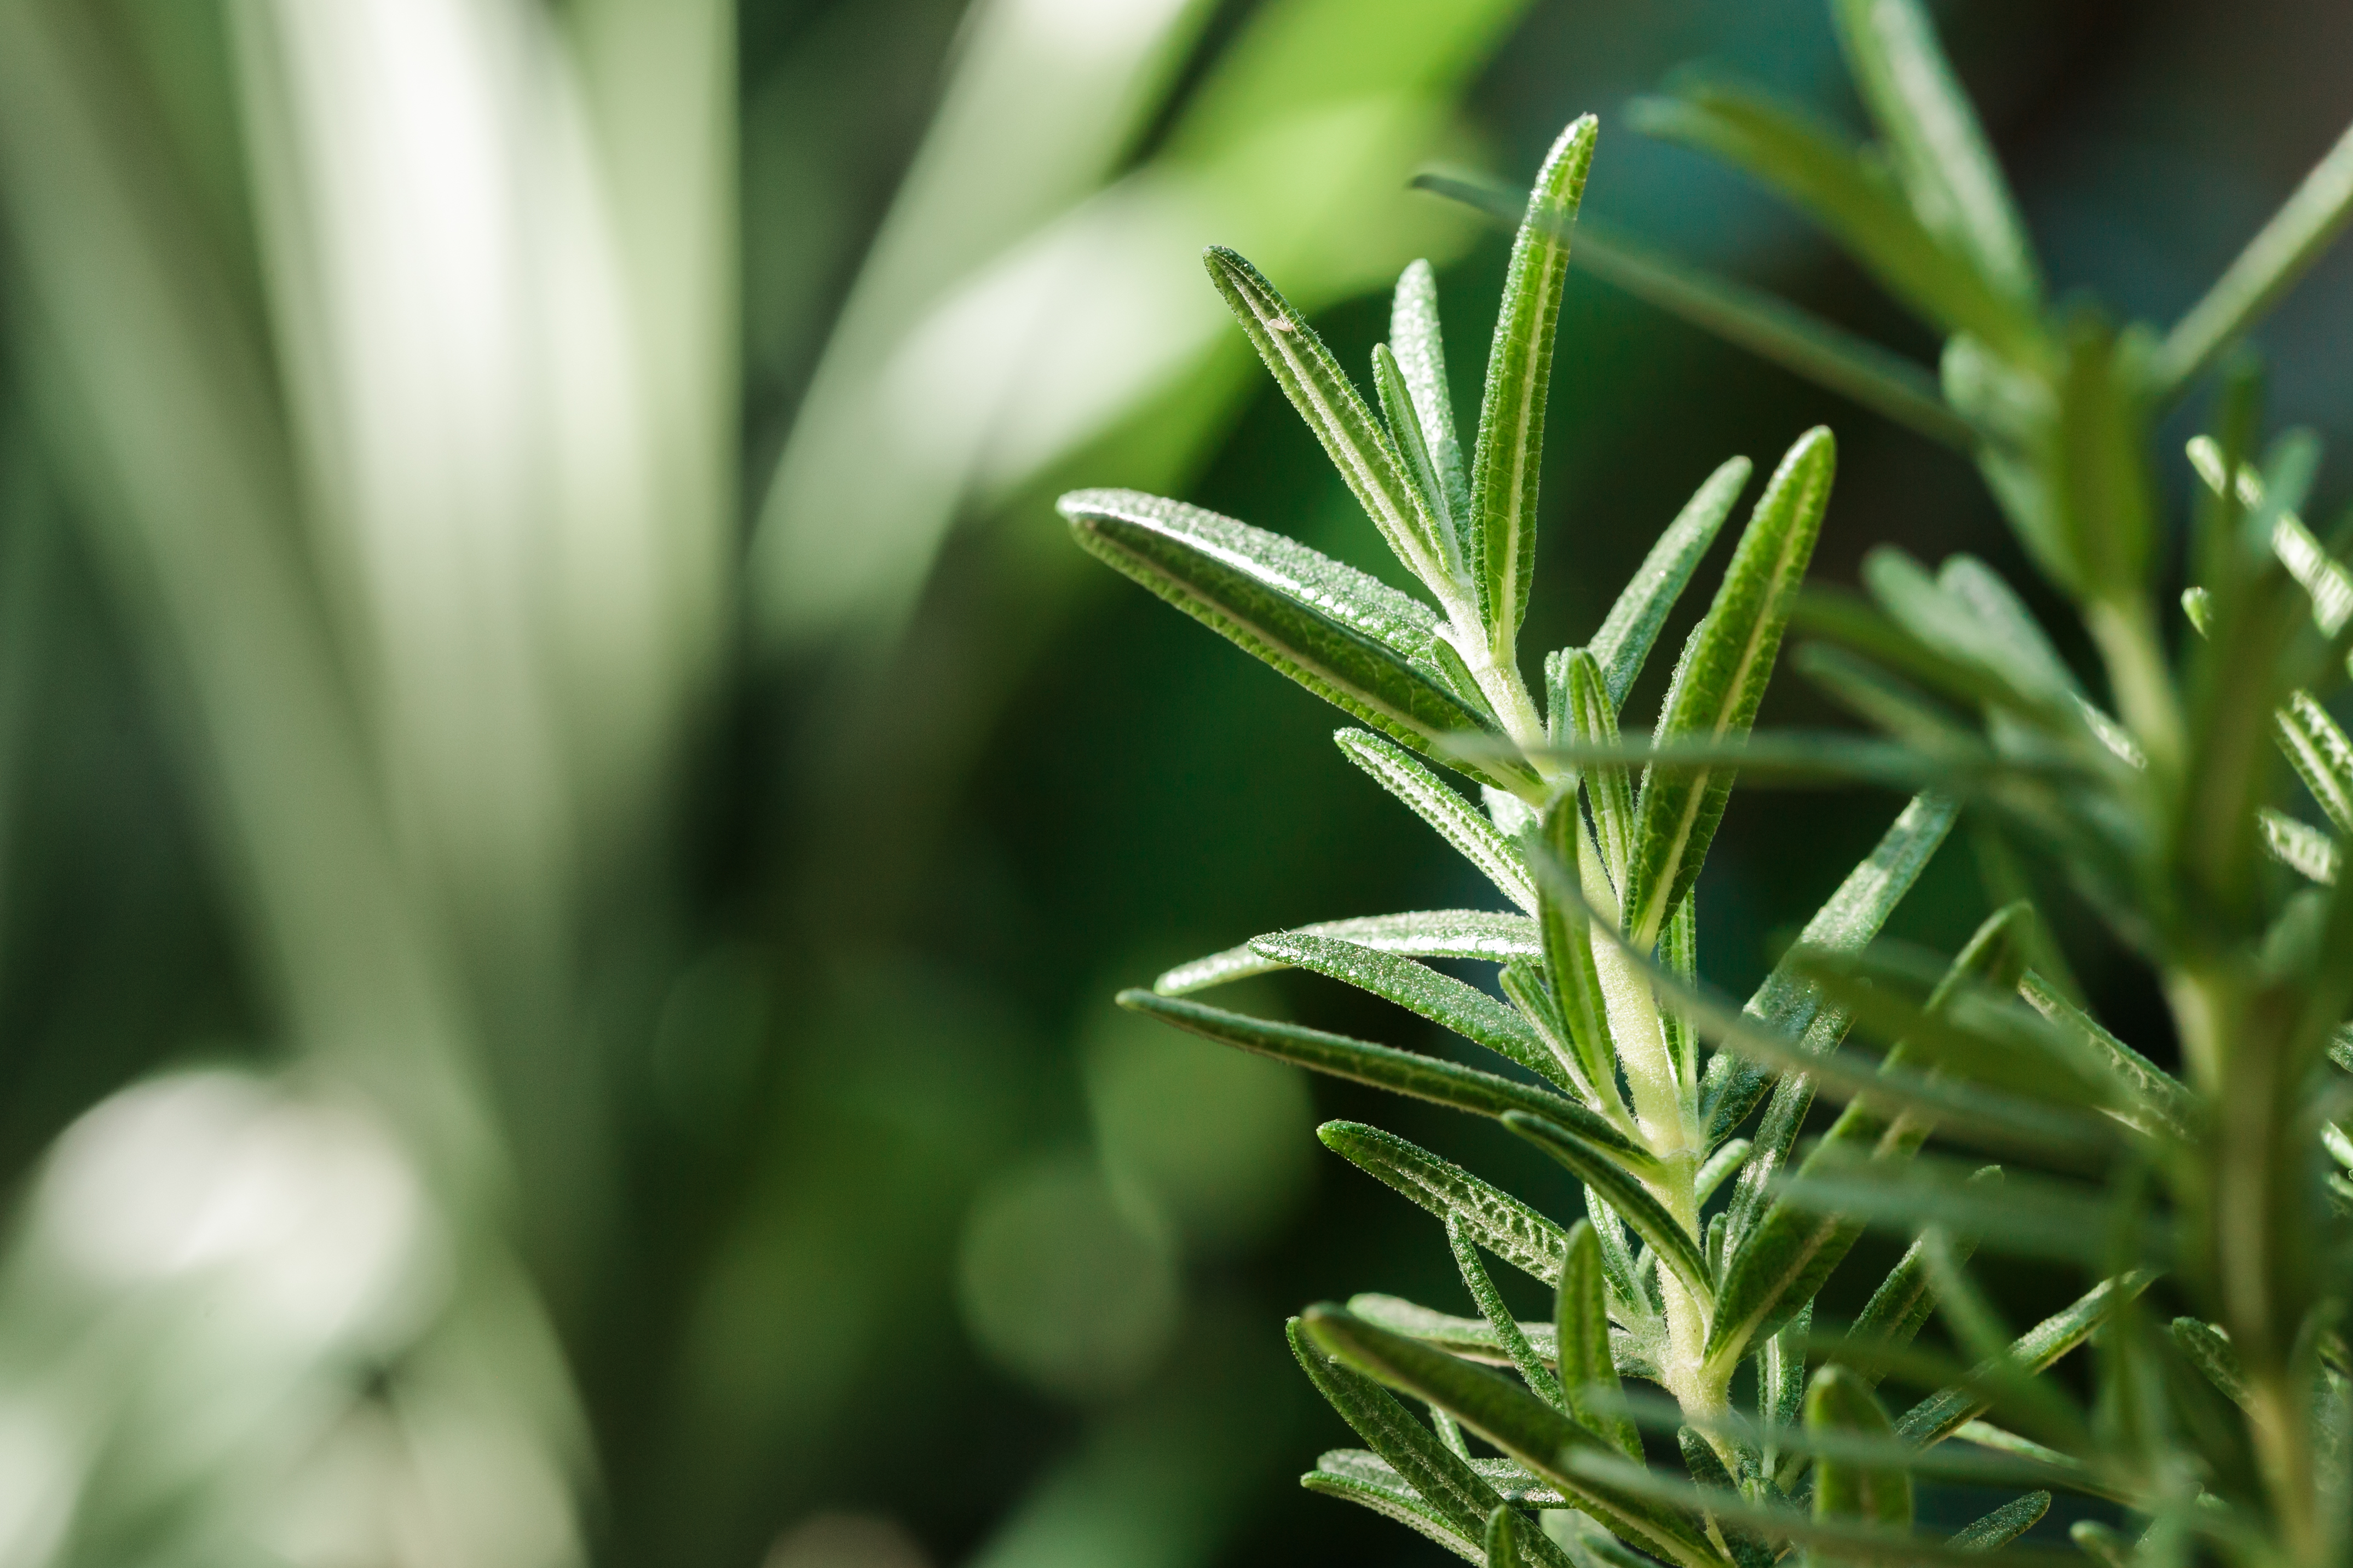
x=568, y=817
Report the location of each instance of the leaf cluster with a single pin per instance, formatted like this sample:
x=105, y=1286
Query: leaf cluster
x=2218, y=1420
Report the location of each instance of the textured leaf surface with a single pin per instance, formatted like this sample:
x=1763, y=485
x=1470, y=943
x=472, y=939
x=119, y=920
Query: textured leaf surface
x=1506, y=1226
x=1589, y=1369
x=1446, y=1484
x=2003, y=1525
x=1475, y=1339
x=1517, y=1422
x=1675, y=1246
x=1608, y=791
x=1942, y=1413
x=1789, y=1003
x=1309, y=617
x=1420, y=353
x=1517, y=1347
x=1422, y=933
x=1717, y=689
x=1382, y=1066
x=1474, y=836
x=1510, y=452
x=1332, y=407
x=1623, y=644
x=2321, y=754
x=1440, y=998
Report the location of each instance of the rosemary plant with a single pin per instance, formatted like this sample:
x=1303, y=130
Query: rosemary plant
x=2205, y=1213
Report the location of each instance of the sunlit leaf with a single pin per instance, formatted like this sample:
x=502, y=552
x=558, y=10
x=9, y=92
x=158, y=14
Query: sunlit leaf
x=1420, y=353
x=1588, y=1368
x=1598, y=1168
x=1344, y=635
x=1423, y=933
x=1382, y=1067
x=1510, y=450
x=1453, y=817
x=1622, y=646
x=1506, y=1226
x=1722, y=678
x=1517, y=1348
x=1440, y=998
x=1352, y=436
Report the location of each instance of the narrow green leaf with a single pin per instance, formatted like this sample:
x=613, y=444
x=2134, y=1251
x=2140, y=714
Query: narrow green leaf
x=2209, y=1350
x=2101, y=1545
x=1894, y=1315
x=1675, y=1246
x=1724, y=1163
x=1514, y=1483
x=1516, y=1346
x=2012, y=627
x=1951, y=625
x=1940, y=151
x=1851, y=199
x=2108, y=515
x=1440, y=998
x=2166, y=1104
x=1938, y=1415
x=2296, y=235
x=2302, y=848
x=1453, y=817
x=1458, y=1494
x=1593, y=718
x=2035, y=1218
x=1765, y=325
x=1313, y=619
x=1789, y=1003
x=1506, y=1226
x=1623, y=644
x=1420, y=465
x=1382, y=1066
x=2320, y=753
x=1779, y=1262
x=1588, y=1368
x=1515, y=1421
x=1474, y=1339
x=1510, y=451
x=1423, y=933
x=1839, y=1400
x=1680, y=953
x=1502, y=1537
x=1716, y=694
x=1421, y=358
x=1333, y=408
x=1576, y=982
x=2003, y=1525
x=1397, y=1502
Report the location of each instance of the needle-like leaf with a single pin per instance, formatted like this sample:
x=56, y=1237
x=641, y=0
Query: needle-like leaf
x=1382, y=1067
x=2296, y=235
x=1789, y=1003
x=2300, y=847
x=1421, y=934
x=1940, y=152
x=1623, y=644
x=1853, y=200
x=1440, y=998
x=1722, y=678
x=1333, y=408
x=1765, y=324
x=2034, y=1350
x=1588, y=1368
x=1420, y=353
x=1517, y=1348
x=1839, y=1400
x=1593, y=718
x=2320, y=753
x=1675, y=1246
x=2003, y=1525
x=1420, y=464
x=1576, y=983
x=1515, y=1421
x=1446, y=1484
x=1453, y=817
x=1344, y=635
x=1499, y=1222
x=1510, y=451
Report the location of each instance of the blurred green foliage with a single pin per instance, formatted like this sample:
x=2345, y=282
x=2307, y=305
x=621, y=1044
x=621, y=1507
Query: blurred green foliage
x=537, y=682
